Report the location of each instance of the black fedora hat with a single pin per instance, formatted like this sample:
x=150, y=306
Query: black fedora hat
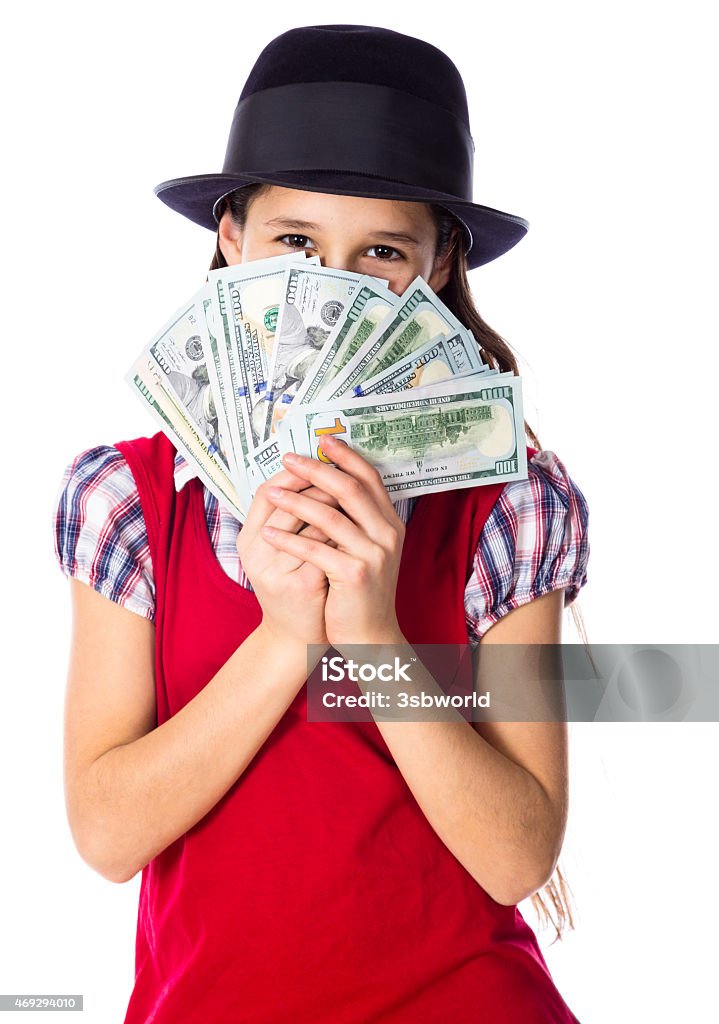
x=353, y=110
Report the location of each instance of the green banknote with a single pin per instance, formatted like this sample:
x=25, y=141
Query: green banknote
x=313, y=301
x=265, y=460
x=460, y=433
x=274, y=353
x=146, y=378
x=250, y=295
x=178, y=352
x=205, y=310
x=443, y=358
x=369, y=306
x=418, y=317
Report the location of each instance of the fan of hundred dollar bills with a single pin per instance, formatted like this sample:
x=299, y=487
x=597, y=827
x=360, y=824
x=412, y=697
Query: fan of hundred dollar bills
x=272, y=355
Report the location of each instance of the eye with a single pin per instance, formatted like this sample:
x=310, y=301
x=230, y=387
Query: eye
x=294, y=243
x=387, y=249
x=304, y=241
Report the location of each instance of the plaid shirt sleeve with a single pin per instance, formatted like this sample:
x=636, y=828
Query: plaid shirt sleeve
x=100, y=535
x=534, y=541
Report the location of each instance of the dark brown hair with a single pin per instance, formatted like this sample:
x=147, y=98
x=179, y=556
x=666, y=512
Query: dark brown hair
x=495, y=351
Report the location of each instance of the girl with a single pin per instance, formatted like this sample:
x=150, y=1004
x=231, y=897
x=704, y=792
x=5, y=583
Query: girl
x=333, y=872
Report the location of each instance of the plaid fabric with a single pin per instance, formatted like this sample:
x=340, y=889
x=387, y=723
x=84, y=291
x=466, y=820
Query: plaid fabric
x=534, y=541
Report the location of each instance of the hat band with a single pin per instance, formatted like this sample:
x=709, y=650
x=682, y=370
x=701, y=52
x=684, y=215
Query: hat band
x=354, y=127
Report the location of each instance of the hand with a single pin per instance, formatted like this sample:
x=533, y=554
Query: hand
x=291, y=592
x=362, y=565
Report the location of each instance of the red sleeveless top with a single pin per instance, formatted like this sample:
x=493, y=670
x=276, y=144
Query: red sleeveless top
x=315, y=891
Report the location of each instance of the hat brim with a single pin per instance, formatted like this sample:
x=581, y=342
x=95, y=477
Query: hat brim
x=491, y=232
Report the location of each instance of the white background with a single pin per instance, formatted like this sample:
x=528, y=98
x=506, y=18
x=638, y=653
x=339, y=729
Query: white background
x=595, y=122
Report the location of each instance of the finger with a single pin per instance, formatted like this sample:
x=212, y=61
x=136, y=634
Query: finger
x=261, y=509
x=282, y=562
x=338, y=452
x=363, y=499
x=313, y=533
x=332, y=521
x=293, y=562
x=285, y=520
x=323, y=556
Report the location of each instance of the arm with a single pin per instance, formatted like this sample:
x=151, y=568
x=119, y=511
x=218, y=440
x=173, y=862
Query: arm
x=132, y=788
x=495, y=793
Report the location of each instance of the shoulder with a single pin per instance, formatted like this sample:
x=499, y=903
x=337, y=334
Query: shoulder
x=99, y=531
x=534, y=540
x=549, y=492
x=97, y=474
x=541, y=518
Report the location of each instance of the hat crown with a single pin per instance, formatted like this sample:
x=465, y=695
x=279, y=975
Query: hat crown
x=353, y=110
x=360, y=53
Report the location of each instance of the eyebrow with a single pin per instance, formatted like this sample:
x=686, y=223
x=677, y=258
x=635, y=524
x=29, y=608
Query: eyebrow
x=305, y=225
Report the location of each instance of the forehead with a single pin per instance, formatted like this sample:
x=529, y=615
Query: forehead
x=323, y=209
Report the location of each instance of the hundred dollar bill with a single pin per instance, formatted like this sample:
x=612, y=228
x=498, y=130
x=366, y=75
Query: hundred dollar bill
x=180, y=355
x=146, y=379
x=440, y=359
x=232, y=380
x=266, y=459
x=250, y=295
x=418, y=318
x=313, y=301
x=221, y=399
x=369, y=306
x=456, y=434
